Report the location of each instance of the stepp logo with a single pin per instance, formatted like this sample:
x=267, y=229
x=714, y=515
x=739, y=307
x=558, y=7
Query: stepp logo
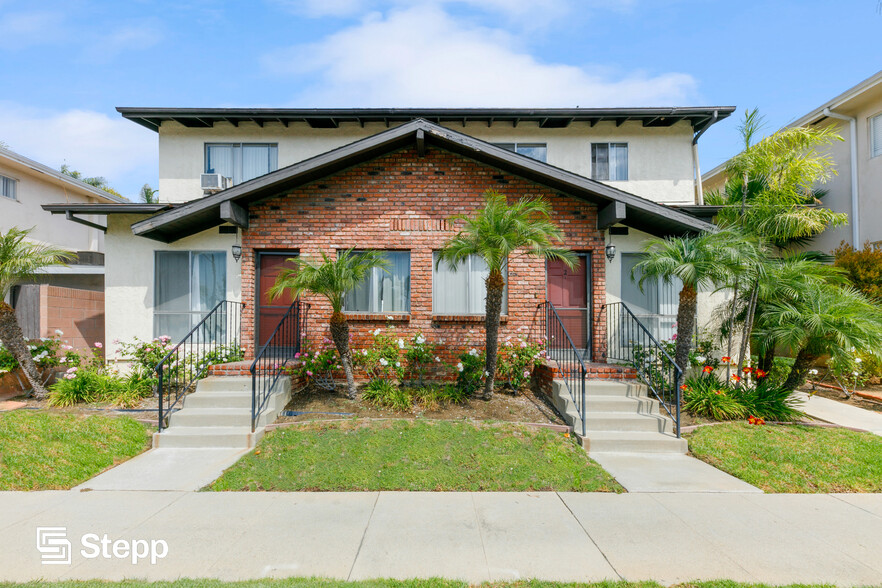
x=53, y=545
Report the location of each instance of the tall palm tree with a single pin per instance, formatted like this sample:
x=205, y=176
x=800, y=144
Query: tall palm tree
x=496, y=233
x=823, y=319
x=699, y=261
x=20, y=261
x=331, y=278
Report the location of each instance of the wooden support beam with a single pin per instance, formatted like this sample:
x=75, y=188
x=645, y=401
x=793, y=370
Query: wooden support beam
x=234, y=214
x=421, y=142
x=612, y=213
x=69, y=216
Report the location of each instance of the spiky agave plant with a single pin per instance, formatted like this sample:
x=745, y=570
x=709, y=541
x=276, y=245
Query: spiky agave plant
x=20, y=261
x=332, y=279
x=495, y=233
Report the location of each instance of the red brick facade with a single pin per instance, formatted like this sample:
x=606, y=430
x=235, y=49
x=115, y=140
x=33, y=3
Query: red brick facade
x=401, y=201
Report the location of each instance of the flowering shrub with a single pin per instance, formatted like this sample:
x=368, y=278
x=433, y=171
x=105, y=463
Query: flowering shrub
x=762, y=398
x=382, y=359
x=420, y=354
x=314, y=363
x=706, y=396
x=145, y=355
x=470, y=371
x=517, y=357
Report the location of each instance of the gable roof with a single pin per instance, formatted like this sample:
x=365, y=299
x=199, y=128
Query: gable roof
x=56, y=177
x=204, y=213
x=700, y=117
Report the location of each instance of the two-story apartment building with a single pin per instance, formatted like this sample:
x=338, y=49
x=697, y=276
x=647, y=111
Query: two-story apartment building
x=69, y=298
x=856, y=190
x=246, y=189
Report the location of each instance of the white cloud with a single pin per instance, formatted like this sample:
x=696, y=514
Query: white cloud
x=89, y=141
x=424, y=57
x=24, y=29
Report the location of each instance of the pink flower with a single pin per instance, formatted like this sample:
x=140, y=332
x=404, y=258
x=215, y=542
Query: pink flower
x=309, y=373
x=98, y=345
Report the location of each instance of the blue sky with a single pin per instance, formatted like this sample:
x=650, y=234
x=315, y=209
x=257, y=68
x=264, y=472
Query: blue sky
x=67, y=64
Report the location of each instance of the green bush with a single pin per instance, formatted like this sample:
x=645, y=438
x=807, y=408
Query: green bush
x=708, y=397
x=420, y=355
x=383, y=392
x=768, y=401
x=470, y=372
x=517, y=359
x=84, y=385
x=862, y=267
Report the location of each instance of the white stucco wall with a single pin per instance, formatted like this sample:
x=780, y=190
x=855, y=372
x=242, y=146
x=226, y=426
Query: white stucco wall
x=32, y=191
x=659, y=159
x=129, y=284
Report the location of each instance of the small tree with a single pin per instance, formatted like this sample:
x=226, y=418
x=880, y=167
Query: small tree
x=20, y=261
x=495, y=233
x=703, y=260
x=149, y=195
x=331, y=278
x=863, y=268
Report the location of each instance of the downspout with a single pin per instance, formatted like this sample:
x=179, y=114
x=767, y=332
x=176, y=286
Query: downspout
x=696, y=166
x=855, y=202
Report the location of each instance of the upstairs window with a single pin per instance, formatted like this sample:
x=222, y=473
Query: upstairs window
x=609, y=162
x=384, y=290
x=876, y=135
x=241, y=161
x=535, y=150
x=8, y=187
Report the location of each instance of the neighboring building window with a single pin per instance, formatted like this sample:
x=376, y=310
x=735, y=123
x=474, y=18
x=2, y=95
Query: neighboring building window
x=876, y=135
x=463, y=291
x=188, y=284
x=656, y=305
x=609, y=161
x=535, y=150
x=241, y=161
x=384, y=290
x=8, y=187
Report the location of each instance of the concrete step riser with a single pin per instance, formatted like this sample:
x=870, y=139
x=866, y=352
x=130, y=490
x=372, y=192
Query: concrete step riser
x=626, y=423
x=617, y=404
x=224, y=384
x=191, y=417
x=635, y=445
x=168, y=439
x=212, y=400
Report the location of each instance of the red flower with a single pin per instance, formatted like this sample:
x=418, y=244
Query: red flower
x=725, y=359
x=684, y=387
x=751, y=419
x=761, y=373
x=735, y=378
x=707, y=369
x=747, y=369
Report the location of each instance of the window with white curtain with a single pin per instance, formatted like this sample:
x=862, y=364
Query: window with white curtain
x=609, y=161
x=876, y=135
x=241, y=161
x=383, y=290
x=7, y=187
x=535, y=150
x=187, y=285
x=463, y=291
x=656, y=305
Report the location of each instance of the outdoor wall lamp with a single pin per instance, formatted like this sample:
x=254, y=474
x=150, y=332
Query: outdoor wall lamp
x=610, y=252
x=237, y=252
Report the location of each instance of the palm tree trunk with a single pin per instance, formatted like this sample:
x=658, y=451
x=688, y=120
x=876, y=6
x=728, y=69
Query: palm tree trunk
x=731, y=327
x=340, y=336
x=493, y=309
x=799, y=371
x=748, y=327
x=13, y=339
x=767, y=359
x=685, y=325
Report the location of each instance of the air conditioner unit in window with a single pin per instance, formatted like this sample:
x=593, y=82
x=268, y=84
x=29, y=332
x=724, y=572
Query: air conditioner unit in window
x=213, y=182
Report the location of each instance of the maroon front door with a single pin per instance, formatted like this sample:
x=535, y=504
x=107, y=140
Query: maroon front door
x=568, y=291
x=269, y=311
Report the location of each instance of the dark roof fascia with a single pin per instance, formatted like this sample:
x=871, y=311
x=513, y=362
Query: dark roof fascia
x=152, y=118
x=121, y=208
x=204, y=213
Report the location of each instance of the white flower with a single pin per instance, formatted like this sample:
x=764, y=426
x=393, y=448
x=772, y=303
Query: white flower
x=383, y=362
x=700, y=358
x=486, y=374
x=401, y=344
x=364, y=351
x=437, y=359
x=375, y=333
x=459, y=367
x=62, y=360
x=397, y=364
x=854, y=373
x=858, y=360
x=420, y=340
x=813, y=372
x=473, y=352
x=389, y=317
x=59, y=332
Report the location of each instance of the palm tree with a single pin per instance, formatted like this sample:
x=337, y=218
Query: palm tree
x=823, y=319
x=331, y=278
x=20, y=260
x=699, y=261
x=495, y=233
x=149, y=195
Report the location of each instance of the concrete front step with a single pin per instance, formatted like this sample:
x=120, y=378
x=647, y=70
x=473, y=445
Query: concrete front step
x=622, y=421
x=225, y=384
x=631, y=404
x=201, y=399
x=633, y=442
x=211, y=417
x=194, y=437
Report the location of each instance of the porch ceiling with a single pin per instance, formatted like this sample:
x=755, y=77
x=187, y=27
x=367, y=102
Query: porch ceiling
x=210, y=211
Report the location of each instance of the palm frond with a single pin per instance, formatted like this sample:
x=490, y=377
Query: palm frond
x=22, y=259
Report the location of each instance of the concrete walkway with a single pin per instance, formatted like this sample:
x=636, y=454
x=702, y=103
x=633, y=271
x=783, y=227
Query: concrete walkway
x=167, y=469
x=841, y=414
x=768, y=538
x=668, y=472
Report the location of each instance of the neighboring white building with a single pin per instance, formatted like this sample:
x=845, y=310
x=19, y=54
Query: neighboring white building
x=857, y=189
x=646, y=152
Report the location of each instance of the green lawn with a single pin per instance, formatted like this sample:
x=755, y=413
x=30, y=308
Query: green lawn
x=793, y=458
x=430, y=583
x=416, y=455
x=56, y=451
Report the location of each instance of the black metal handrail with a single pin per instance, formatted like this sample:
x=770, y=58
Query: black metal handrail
x=214, y=339
x=270, y=362
x=570, y=362
x=629, y=341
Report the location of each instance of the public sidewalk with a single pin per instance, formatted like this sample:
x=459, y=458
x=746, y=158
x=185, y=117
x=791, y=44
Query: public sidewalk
x=670, y=538
x=841, y=414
